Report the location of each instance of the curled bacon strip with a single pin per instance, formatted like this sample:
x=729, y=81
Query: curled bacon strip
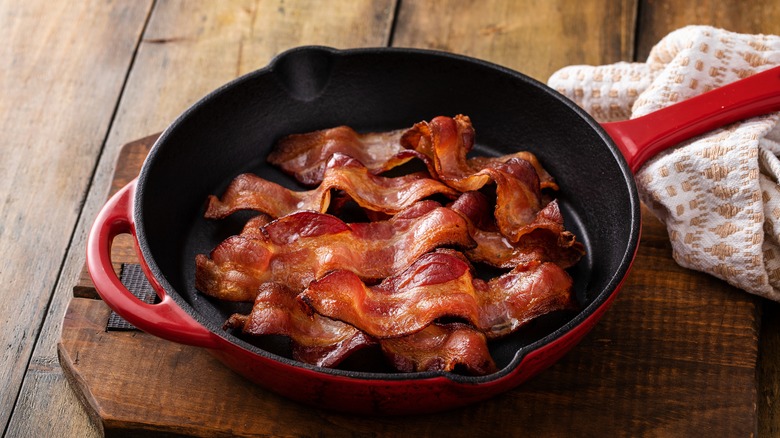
x=445, y=141
x=298, y=248
x=315, y=340
x=375, y=193
x=304, y=156
x=441, y=347
x=548, y=242
x=437, y=285
x=325, y=342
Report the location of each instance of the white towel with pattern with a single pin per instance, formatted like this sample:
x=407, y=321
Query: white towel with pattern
x=718, y=194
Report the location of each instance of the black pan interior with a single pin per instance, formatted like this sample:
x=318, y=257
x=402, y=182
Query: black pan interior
x=232, y=130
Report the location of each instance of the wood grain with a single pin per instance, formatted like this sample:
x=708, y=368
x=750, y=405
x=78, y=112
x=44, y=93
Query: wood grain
x=667, y=360
x=659, y=17
x=187, y=49
x=64, y=66
x=122, y=251
x=533, y=37
x=656, y=19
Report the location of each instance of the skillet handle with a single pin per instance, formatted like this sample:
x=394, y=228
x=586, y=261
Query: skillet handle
x=642, y=138
x=166, y=319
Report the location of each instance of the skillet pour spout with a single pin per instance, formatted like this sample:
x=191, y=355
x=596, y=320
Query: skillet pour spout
x=232, y=130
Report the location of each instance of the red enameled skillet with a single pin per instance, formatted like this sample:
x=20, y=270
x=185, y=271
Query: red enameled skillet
x=231, y=131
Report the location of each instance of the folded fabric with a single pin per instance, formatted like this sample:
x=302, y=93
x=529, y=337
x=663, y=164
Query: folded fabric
x=717, y=194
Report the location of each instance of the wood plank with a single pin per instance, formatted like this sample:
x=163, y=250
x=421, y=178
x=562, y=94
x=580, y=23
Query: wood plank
x=188, y=49
x=659, y=17
x=122, y=251
x=656, y=20
x=649, y=368
x=64, y=66
x=531, y=36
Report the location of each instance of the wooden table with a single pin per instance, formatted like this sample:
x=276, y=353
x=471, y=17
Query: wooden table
x=82, y=79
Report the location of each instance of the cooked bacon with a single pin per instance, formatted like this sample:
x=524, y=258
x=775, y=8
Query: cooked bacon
x=446, y=141
x=315, y=340
x=325, y=342
x=301, y=247
x=547, y=242
x=304, y=156
x=437, y=285
x=441, y=347
x=375, y=193
x=333, y=288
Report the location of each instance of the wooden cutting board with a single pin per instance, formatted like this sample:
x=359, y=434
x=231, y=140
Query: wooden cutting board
x=675, y=355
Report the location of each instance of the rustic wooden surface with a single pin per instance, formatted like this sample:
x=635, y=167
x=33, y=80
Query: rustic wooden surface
x=80, y=79
x=63, y=70
x=649, y=364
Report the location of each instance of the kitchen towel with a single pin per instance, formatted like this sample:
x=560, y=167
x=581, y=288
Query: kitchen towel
x=717, y=194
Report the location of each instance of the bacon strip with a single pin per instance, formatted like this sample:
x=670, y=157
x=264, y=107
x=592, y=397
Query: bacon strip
x=299, y=248
x=441, y=347
x=375, y=193
x=325, y=342
x=315, y=340
x=548, y=242
x=437, y=285
x=304, y=156
x=445, y=142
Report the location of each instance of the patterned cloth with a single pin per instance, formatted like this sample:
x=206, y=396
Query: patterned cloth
x=718, y=194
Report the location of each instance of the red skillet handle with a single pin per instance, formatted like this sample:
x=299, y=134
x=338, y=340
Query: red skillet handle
x=642, y=138
x=166, y=319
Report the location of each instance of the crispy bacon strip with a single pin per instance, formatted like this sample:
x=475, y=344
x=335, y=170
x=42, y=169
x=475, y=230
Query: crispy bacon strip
x=548, y=242
x=301, y=247
x=441, y=347
x=446, y=141
x=325, y=342
x=375, y=193
x=304, y=156
x=437, y=285
x=315, y=340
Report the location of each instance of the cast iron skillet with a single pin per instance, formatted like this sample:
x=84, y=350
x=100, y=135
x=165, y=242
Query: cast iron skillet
x=231, y=131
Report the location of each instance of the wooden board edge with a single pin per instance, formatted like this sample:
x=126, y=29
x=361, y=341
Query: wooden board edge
x=69, y=364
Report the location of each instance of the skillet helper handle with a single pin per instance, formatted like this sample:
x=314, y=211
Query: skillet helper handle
x=165, y=319
x=642, y=138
